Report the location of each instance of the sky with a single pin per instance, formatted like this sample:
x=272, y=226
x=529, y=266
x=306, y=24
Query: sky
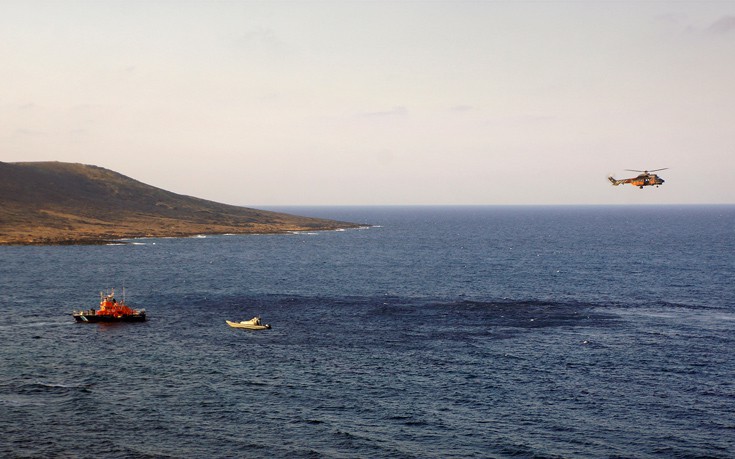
x=378, y=102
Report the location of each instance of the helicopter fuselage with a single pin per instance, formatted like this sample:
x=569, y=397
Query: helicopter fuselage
x=639, y=181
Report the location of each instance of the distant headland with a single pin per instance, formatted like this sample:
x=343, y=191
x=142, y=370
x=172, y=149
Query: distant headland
x=67, y=203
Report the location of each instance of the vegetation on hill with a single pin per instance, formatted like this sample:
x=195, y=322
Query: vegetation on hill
x=65, y=203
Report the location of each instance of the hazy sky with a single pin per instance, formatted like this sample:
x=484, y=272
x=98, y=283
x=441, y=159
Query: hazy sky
x=370, y=102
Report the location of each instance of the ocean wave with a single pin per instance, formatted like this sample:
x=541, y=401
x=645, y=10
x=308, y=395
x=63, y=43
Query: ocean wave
x=20, y=322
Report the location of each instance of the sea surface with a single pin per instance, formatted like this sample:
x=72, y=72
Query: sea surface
x=432, y=332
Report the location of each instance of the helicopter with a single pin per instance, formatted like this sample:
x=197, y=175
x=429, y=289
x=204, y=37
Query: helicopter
x=646, y=178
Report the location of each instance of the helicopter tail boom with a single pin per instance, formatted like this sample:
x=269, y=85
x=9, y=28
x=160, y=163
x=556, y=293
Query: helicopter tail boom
x=615, y=182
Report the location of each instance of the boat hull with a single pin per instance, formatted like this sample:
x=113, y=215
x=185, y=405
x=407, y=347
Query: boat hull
x=100, y=318
x=247, y=326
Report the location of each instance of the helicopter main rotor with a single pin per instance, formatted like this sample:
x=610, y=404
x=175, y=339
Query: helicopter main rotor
x=646, y=172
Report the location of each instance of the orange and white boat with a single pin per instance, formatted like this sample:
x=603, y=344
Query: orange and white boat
x=110, y=310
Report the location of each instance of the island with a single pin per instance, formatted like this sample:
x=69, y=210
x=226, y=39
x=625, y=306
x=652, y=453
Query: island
x=70, y=203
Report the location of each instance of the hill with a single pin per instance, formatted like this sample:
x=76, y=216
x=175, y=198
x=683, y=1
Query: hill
x=65, y=203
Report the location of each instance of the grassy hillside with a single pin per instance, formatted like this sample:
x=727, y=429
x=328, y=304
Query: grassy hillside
x=57, y=203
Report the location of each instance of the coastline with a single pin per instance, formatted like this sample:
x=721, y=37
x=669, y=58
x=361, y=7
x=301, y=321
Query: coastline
x=105, y=239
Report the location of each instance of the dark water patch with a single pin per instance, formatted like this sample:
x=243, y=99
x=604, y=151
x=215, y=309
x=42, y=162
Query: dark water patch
x=528, y=314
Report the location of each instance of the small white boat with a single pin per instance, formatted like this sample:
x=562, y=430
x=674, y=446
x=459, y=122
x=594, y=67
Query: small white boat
x=252, y=324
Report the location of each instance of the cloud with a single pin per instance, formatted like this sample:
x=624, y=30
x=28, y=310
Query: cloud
x=722, y=26
x=726, y=24
x=462, y=108
x=675, y=19
x=395, y=111
x=22, y=132
x=260, y=38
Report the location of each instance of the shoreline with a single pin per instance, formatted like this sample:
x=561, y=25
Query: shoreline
x=121, y=238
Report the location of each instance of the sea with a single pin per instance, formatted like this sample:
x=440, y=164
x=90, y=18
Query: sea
x=429, y=332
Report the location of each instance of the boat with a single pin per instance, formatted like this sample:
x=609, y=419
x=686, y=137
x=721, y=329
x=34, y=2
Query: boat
x=252, y=324
x=111, y=311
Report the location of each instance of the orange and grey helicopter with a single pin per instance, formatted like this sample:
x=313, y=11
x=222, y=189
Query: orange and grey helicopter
x=646, y=178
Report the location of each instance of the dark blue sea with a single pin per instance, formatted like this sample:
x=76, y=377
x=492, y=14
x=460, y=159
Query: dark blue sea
x=432, y=332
